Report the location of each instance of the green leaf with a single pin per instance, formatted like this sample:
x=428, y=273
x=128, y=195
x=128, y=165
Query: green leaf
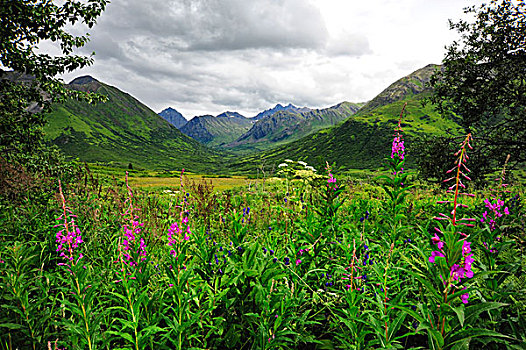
x=459, y=311
x=473, y=311
x=473, y=333
x=10, y=325
x=123, y=335
x=395, y=325
x=425, y=282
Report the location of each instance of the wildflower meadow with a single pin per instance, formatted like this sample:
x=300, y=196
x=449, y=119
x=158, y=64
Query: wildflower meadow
x=314, y=262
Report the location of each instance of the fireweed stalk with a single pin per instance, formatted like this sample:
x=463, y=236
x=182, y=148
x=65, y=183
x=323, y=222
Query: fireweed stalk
x=455, y=249
x=133, y=283
x=393, y=217
x=68, y=239
x=396, y=187
x=175, y=231
x=132, y=249
x=353, y=266
x=453, y=256
x=179, y=311
x=331, y=196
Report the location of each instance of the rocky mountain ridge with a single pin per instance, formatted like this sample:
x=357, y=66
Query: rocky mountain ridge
x=173, y=117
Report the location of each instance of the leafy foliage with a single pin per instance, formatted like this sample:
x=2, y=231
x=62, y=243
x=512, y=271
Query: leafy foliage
x=482, y=83
x=32, y=86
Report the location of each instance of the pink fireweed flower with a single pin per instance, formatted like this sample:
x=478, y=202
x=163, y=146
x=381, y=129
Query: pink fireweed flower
x=463, y=269
x=69, y=237
x=464, y=297
x=434, y=255
x=460, y=268
x=174, y=234
x=186, y=237
x=130, y=242
x=496, y=210
x=457, y=272
x=466, y=248
x=68, y=240
x=398, y=148
x=436, y=240
x=331, y=181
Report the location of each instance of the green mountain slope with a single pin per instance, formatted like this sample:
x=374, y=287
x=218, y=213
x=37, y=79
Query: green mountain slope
x=217, y=131
x=123, y=130
x=364, y=140
x=286, y=126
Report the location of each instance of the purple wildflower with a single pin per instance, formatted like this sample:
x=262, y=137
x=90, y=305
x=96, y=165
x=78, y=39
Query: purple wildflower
x=398, y=148
x=464, y=297
x=331, y=181
x=129, y=243
x=496, y=210
x=436, y=240
x=463, y=270
x=434, y=255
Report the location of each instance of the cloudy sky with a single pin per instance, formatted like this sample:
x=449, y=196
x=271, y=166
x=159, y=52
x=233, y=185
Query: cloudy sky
x=209, y=56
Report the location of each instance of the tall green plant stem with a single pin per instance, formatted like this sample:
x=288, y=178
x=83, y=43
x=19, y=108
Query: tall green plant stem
x=455, y=204
x=90, y=346
x=26, y=314
x=385, y=288
x=134, y=318
x=79, y=293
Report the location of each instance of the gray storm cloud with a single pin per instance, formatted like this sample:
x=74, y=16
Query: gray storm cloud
x=213, y=25
x=207, y=56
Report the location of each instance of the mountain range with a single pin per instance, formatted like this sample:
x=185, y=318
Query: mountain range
x=285, y=126
x=363, y=140
x=279, y=107
x=351, y=135
x=275, y=126
x=217, y=130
